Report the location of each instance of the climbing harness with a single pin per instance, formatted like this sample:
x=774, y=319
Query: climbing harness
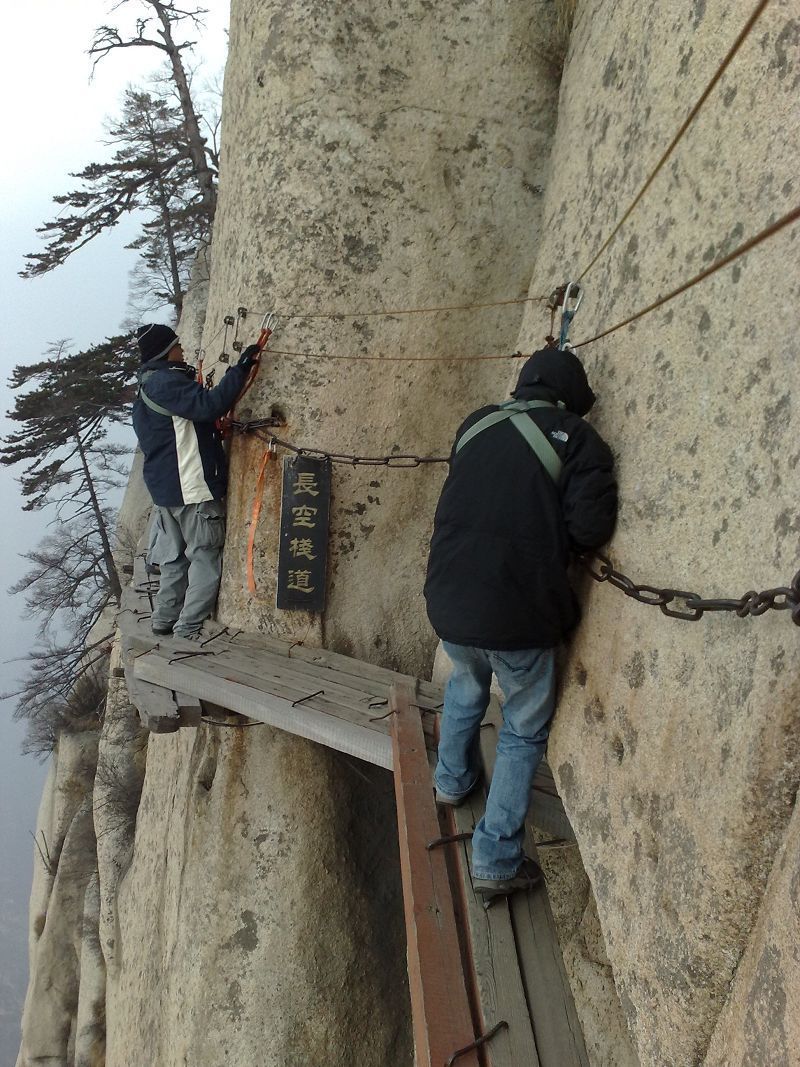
x=514, y=411
x=142, y=395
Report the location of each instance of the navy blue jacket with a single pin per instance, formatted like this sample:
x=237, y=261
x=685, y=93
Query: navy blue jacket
x=184, y=461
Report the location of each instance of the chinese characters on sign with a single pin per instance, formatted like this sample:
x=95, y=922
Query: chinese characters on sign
x=304, y=533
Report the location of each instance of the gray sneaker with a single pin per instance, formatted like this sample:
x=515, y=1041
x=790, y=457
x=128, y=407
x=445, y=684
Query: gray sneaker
x=529, y=876
x=453, y=801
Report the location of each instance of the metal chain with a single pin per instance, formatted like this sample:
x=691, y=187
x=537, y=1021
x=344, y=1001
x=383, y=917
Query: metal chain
x=597, y=564
x=398, y=460
x=783, y=598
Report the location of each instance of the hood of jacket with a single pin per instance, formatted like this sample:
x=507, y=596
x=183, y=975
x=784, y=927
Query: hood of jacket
x=558, y=373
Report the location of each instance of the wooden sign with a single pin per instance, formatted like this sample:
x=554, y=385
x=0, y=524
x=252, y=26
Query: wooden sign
x=303, y=555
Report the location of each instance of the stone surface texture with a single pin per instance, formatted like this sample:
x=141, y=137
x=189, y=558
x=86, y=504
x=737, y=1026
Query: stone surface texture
x=676, y=745
x=360, y=170
x=375, y=156
x=245, y=908
x=761, y=1020
x=62, y=871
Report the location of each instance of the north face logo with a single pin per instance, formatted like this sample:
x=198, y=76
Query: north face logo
x=559, y=435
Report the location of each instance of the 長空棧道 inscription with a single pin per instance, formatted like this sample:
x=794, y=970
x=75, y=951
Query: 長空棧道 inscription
x=305, y=510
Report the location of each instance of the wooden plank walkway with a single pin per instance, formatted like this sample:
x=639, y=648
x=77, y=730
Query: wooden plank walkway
x=474, y=972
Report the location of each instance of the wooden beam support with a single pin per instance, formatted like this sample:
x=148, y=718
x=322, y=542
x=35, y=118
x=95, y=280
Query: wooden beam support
x=190, y=713
x=439, y=1003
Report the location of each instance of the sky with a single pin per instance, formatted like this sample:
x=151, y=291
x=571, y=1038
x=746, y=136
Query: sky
x=52, y=124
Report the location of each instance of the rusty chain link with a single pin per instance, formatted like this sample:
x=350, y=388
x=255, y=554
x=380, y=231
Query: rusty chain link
x=783, y=598
x=399, y=460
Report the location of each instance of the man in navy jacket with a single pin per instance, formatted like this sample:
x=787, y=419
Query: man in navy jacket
x=530, y=482
x=185, y=470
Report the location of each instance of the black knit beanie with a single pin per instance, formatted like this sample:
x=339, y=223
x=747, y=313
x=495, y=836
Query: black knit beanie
x=155, y=341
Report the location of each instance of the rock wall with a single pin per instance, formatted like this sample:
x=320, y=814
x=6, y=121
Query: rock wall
x=360, y=169
x=245, y=905
x=63, y=868
x=375, y=157
x=676, y=745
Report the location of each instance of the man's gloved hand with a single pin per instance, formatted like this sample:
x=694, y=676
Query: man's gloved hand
x=249, y=357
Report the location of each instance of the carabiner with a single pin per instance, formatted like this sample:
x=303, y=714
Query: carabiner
x=268, y=326
x=572, y=290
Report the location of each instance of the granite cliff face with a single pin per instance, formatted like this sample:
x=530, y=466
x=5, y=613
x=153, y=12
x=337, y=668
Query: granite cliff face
x=676, y=746
x=244, y=906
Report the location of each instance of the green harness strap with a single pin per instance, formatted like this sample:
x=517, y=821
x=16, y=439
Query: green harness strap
x=515, y=411
x=151, y=403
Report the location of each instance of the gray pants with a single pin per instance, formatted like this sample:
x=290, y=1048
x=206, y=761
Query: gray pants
x=190, y=540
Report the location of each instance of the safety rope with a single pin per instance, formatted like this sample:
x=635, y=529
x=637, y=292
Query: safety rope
x=743, y=34
x=394, y=359
x=747, y=246
x=392, y=312
x=769, y=231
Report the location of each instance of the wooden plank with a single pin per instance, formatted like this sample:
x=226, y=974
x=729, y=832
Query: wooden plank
x=500, y=989
x=267, y=667
x=439, y=1004
x=304, y=721
x=359, y=672
x=558, y=1033
x=375, y=682
x=268, y=681
x=556, y=1029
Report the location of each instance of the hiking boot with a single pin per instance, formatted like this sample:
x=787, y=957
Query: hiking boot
x=162, y=631
x=529, y=876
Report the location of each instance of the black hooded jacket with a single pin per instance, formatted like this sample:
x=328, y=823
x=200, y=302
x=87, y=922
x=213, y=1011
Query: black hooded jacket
x=504, y=531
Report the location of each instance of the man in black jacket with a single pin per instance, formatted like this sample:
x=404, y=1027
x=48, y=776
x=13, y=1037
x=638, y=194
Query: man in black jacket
x=530, y=482
x=185, y=470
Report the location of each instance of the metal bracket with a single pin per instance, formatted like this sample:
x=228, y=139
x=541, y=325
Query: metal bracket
x=450, y=839
x=482, y=1040
x=318, y=693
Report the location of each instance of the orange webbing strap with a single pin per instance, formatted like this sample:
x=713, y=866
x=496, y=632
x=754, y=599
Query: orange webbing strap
x=251, y=537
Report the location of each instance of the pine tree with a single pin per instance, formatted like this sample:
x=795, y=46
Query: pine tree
x=151, y=172
x=66, y=405
x=167, y=16
x=65, y=413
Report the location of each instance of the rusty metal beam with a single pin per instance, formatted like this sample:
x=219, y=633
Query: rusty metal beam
x=439, y=1003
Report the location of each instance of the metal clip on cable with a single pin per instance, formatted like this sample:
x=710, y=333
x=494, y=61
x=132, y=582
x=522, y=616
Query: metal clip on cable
x=574, y=292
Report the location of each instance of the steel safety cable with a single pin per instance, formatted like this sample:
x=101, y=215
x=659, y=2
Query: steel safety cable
x=785, y=220
x=743, y=34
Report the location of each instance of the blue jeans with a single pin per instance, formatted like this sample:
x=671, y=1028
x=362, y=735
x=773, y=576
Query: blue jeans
x=527, y=679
